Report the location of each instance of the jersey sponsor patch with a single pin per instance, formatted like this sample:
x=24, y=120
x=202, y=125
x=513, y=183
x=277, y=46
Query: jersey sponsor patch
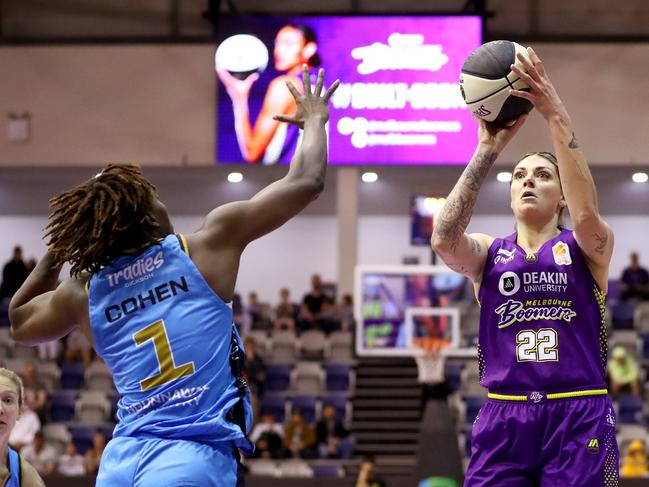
x=593, y=445
x=503, y=256
x=561, y=253
x=509, y=283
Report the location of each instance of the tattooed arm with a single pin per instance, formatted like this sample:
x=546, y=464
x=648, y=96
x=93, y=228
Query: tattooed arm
x=594, y=236
x=465, y=253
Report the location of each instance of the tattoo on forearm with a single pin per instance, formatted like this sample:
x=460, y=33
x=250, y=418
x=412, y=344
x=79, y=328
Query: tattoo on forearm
x=456, y=213
x=601, y=243
x=573, y=144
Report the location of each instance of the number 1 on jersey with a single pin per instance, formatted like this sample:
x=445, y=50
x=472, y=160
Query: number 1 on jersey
x=168, y=369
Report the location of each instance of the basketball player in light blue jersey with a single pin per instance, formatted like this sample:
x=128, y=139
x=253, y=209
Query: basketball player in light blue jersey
x=156, y=307
x=14, y=471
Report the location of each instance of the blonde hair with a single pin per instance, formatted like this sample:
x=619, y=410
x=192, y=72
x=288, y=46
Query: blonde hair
x=13, y=377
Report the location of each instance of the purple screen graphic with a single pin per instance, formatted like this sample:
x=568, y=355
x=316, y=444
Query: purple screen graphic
x=399, y=101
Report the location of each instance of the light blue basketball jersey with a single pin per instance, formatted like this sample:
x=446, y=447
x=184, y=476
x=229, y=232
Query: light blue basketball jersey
x=14, y=479
x=172, y=348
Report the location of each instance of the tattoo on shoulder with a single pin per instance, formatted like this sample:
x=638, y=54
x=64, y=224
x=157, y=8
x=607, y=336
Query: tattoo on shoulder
x=573, y=144
x=602, y=240
x=475, y=245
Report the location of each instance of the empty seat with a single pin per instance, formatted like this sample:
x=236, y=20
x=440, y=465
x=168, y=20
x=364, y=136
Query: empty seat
x=641, y=317
x=340, y=347
x=630, y=409
x=72, y=375
x=98, y=377
x=50, y=374
x=307, y=378
x=274, y=404
x=57, y=435
x=62, y=405
x=93, y=407
x=283, y=347
x=339, y=377
x=82, y=437
x=623, y=315
x=453, y=374
x=473, y=405
x=278, y=377
x=26, y=353
x=312, y=344
x=306, y=405
x=294, y=468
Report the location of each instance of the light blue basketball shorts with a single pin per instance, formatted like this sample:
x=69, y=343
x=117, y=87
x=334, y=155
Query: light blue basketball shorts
x=153, y=462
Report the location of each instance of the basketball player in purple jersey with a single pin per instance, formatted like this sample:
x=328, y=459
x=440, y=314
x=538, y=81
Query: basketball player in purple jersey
x=548, y=420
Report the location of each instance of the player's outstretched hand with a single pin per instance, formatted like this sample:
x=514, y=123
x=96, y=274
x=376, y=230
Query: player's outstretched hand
x=312, y=104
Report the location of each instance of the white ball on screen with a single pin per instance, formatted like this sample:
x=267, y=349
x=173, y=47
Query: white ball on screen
x=242, y=55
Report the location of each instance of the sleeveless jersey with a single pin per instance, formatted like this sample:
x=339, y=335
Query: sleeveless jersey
x=15, y=479
x=171, y=346
x=542, y=321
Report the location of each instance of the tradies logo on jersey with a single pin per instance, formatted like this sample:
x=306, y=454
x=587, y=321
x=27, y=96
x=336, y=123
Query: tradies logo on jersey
x=561, y=254
x=503, y=256
x=509, y=283
x=140, y=268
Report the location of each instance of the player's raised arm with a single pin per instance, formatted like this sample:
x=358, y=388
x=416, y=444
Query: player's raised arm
x=466, y=253
x=243, y=221
x=594, y=236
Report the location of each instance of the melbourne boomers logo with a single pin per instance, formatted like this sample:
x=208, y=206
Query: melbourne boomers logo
x=509, y=283
x=515, y=312
x=138, y=268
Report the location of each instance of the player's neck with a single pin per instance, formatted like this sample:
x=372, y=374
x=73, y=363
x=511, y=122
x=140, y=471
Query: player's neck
x=532, y=236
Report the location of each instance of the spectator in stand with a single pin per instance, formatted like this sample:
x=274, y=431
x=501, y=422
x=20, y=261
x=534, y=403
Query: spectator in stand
x=78, y=348
x=312, y=306
x=623, y=372
x=71, y=464
x=239, y=315
x=255, y=368
x=634, y=282
x=299, y=438
x=267, y=436
x=93, y=456
x=329, y=317
x=332, y=437
x=285, y=312
x=30, y=265
x=41, y=455
x=25, y=431
x=258, y=315
x=367, y=474
x=35, y=392
x=14, y=470
x=634, y=464
x=14, y=274
x=346, y=313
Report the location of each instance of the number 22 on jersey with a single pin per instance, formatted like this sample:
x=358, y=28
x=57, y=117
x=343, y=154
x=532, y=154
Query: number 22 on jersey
x=168, y=369
x=537, y=345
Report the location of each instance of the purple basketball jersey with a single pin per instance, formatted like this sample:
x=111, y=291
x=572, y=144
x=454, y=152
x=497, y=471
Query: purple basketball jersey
x=542, y=323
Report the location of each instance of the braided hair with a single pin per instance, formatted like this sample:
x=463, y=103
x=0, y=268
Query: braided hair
x=102, y=218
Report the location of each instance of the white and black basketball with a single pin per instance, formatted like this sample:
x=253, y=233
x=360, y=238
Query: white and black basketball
x=486, y=79
x=241, y=55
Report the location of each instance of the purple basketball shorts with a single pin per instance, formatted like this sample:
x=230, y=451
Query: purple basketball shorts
x=544, y=443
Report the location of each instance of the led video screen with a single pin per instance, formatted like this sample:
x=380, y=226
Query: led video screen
x=399, y=101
